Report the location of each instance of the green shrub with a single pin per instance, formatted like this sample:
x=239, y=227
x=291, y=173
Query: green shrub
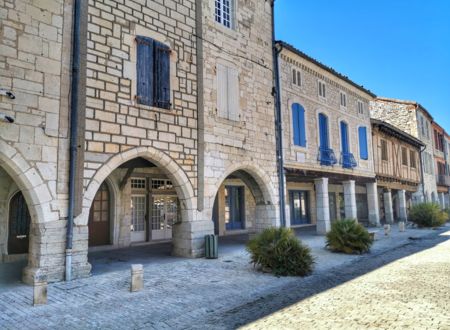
x=348, y=236
x=428, y=215
x=279, y=251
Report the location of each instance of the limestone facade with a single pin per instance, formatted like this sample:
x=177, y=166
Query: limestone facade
x=415, y=120
x=341, y=187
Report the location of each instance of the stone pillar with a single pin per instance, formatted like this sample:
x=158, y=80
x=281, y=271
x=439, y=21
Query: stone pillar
x=372, y=203
x=322, y=206
x=388, y=210
x=402, y=216
x=442, y=200
x=137, y=277
x=350, y=199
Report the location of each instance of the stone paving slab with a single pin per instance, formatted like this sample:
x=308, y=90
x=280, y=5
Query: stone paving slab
x=177, y=293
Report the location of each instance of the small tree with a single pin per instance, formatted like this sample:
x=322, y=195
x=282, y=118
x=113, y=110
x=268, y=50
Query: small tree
x=279, y=251
x=428, y=215
x=348, y=236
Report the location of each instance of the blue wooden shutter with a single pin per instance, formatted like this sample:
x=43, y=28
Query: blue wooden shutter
x=363, y=150
x=162, y=75
x=323, y=127
x=145, y=69
x=298, y=123
x=344, y=138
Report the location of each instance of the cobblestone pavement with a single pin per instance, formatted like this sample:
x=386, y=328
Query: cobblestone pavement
x=409, y=286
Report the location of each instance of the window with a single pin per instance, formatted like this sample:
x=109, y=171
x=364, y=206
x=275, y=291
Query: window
x=360, y=107
x=138, y=212
x=296, y=77
x=428, y=130
x=412, y=159
x=298, y=125
x=384, y=150
x=227, y=92
x=138, y=183
x=363, y=146
x=322, y=92
x=223, y=12
x=299, y=205
x=343, y=100
x=153, y=73
x=422, y=126
x=404, y=156
x=161, y=184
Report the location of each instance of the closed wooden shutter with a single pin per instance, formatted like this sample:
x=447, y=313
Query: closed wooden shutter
x=233, y=94
x=222, y=91
x=298, y=123
x=344, y=138
x=363, y=150
x=145, y=69
x=162, y=75
x=323, y=128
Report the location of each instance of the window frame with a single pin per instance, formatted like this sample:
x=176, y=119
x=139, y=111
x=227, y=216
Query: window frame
x=302, y=140
x=220, y=18
x=366, y=155
x=320, y=84
x=343, y=96
x=404, y=153
x=384, y=150
x=412, y=159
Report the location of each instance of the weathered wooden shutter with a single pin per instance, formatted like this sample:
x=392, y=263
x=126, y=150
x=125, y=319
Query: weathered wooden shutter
x=363, y=150
x=162, y=75
x=323, y=127
x=145, y=69
x=344, y=137
x=233, y=94
x=222, y=91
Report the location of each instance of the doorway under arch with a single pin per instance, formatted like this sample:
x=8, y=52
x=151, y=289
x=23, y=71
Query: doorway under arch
x=19, y=221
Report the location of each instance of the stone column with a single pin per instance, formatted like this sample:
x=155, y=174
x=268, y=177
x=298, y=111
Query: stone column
x=350, y=199
x=322, y=206
x=403, y=216
x=388, y=210
x=372, y=203
x=442, y=200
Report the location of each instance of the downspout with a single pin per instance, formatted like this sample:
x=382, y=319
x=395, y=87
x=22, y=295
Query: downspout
x=73, y=134
x=422, y=149
x=278, y=123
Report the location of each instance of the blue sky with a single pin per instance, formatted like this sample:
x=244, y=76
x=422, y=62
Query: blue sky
x=395, y=48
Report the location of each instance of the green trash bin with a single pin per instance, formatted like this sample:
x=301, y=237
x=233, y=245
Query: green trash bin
x=211, y=246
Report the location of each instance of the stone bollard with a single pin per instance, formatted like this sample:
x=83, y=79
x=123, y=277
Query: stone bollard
x=39, y=290
x=137, y=277
x=401, y=226
x=387, y=230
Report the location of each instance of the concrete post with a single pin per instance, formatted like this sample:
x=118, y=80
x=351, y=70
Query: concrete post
x=403, y=216
x=372, y=203
x=137, y=278
x=39, y=290
x=322, y=206
x=350, y=199
x=388, y=211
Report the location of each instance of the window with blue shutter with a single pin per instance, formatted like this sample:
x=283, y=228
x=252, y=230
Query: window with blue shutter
x=363, y=149
x=298, y=123
x=344, y=138
x=323, y=131
x=153, y=73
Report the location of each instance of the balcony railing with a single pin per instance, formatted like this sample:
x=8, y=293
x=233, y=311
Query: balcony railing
x=327, y=157
x=348, y=160
x=443, y=180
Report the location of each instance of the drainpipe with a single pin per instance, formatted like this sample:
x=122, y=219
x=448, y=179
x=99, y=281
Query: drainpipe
x=422, y=149
x=278, y=123
x=73, y=134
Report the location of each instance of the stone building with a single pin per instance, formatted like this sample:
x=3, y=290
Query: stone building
x=327, y=144
x=415, y=120
x=398, y=169
x=237, y=152
x=441, y=164
x=175, y=127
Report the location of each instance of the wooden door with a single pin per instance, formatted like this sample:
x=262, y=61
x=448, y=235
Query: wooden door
x=19, y=225
x=99, y=218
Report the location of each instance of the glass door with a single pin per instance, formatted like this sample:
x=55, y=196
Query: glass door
x=299, y=207
x=234, y=208
x=138, y=212
x=164, y=215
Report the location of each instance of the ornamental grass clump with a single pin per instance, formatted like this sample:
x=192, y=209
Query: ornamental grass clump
x=428, y=215
x=279, y=251
x=348, y=236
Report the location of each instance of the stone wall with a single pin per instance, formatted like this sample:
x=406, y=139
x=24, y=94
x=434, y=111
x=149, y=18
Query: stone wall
x=307, y=96
x=248, y=143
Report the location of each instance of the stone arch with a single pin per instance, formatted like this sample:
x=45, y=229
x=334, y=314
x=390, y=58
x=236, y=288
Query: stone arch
x=29, y=181
x=183, y=186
